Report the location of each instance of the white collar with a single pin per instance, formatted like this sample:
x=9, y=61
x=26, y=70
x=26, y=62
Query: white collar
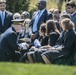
x=73, y=13
x=3, y=11
x=42, y=10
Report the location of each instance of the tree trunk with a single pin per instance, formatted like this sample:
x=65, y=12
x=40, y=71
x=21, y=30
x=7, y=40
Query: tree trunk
x=60, y=3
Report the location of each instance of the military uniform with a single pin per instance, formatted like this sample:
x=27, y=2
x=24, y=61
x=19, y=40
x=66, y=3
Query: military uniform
x=9, y=45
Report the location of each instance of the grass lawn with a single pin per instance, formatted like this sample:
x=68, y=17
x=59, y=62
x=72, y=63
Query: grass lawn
x=35, y=69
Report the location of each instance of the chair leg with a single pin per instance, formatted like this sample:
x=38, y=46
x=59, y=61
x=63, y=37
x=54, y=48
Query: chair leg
x=46, y=59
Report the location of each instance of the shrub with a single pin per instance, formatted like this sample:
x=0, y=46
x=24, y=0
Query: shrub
x=18, y=5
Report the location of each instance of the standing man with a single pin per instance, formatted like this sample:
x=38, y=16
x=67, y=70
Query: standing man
x=5, y=17
x=9, y=42
x=39, y=17
x=71, y=10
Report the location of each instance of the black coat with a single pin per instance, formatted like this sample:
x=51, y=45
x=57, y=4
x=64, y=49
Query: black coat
x=69, y=43
x=60, y=40
x=43, y=40
x=7, y=22
x=53, y=38
x=8, y=44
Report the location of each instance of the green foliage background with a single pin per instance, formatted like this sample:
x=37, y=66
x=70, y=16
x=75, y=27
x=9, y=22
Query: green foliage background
x=30, y=5
x=17, y=5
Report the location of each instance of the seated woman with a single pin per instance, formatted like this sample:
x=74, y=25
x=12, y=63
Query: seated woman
x=41, y=41
x=56, y=14
x=51, y=33
x=63, y=32
x=26, y=27
x=68, y=45
x=53, y=36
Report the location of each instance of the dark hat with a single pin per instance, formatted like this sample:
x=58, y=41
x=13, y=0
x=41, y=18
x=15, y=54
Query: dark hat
x=2, y=1
x=26, y=14
x=18, y=20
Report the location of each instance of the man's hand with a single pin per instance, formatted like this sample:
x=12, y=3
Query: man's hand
x=33, y=36
x=32, y=48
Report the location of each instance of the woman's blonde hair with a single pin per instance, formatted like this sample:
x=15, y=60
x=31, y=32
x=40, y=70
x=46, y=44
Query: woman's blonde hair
x=67, y=24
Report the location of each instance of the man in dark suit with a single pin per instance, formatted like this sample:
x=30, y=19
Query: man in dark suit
x=5, y=17
x=9, y=42
x=39, y=17
x=71, y=9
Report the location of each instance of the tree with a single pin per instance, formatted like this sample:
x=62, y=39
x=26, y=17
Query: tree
x=17, y=5
x=60, y=3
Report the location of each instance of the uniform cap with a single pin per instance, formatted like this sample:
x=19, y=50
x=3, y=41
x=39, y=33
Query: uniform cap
x=2, y=1
x=18, y=20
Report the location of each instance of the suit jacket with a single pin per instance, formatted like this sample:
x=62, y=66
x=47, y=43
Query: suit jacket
x=73, y=19
x=8, y=44
x=69, y=44
x=7, y=21
x=44, y=17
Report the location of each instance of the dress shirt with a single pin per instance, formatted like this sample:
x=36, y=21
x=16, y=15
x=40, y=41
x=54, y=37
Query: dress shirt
x=37, y=19
x=2, y=17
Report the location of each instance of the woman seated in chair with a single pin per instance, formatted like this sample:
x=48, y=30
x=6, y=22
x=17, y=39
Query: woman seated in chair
x=53, y=36
x=66, y=49
x=41, y=41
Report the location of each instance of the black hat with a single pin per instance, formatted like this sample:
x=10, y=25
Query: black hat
x=18, y=20
x=26, y=14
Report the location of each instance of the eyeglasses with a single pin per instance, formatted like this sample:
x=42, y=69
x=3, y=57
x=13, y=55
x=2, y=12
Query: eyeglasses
x=68, y=7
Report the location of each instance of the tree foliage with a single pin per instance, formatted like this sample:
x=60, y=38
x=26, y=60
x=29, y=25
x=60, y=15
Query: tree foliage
x=17, y=5
x=60, y=3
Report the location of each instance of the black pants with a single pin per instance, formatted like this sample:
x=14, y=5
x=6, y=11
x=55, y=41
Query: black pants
x=6, y=57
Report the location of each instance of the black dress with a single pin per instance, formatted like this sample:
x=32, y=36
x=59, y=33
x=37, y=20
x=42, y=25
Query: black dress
x=69, y=43
x=43, y=40
x=51, y=41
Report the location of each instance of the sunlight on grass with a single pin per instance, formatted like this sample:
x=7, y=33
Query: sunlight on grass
x=35, y=69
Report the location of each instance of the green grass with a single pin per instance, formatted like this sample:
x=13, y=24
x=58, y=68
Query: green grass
x=35, y=69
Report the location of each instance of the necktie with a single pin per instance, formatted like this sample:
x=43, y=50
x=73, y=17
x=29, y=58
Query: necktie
x=2, y=19
x=39, y=14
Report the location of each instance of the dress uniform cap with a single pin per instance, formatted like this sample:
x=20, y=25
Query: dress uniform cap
x=18, y=20
x=2, y=1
